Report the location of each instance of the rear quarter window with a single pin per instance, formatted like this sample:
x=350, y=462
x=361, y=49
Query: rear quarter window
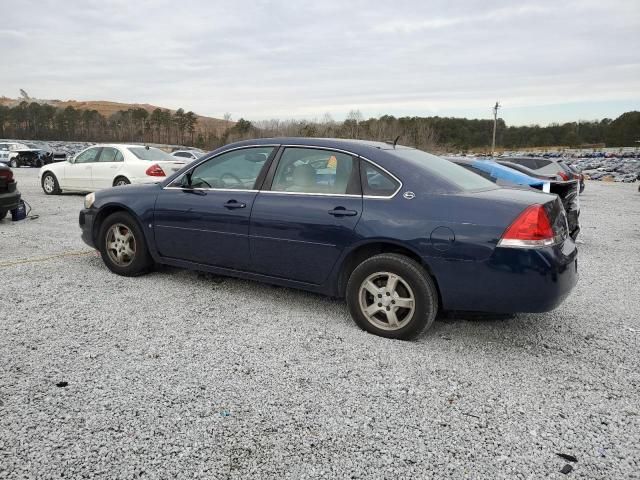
x=375, y=182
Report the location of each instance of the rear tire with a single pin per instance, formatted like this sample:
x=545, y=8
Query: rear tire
x=121, y=181
x=50, y=184
x=13, y=163
x=3, y=213
x=392, y=296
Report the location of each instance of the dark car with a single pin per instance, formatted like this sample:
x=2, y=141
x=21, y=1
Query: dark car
x=568, y=191
x=398, y=232
x=35, y=155
x=549, y=166
x=9, y=194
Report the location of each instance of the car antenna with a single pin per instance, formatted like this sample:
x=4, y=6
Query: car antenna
x=393, y=142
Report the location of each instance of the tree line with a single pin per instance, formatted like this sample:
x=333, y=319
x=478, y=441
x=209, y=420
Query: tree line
x=46, y=122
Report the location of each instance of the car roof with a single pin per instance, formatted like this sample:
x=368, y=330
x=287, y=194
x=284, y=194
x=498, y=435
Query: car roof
x=355, y=146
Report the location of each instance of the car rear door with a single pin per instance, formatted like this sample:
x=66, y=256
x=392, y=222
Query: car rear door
x=105, y=169
x=203, y=215
x=306, y=214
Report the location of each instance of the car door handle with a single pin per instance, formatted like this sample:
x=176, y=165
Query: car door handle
x=231, y=204
x=342, y=212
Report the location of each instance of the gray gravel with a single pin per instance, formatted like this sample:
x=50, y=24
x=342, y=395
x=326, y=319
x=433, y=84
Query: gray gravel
x=181, y=375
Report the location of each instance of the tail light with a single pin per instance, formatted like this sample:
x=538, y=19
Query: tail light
x=7, y=175
x=531, y=229
x=155, y=170
x=563, y=175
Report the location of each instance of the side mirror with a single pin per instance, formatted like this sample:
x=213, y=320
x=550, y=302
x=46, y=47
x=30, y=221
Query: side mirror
x=186, y=181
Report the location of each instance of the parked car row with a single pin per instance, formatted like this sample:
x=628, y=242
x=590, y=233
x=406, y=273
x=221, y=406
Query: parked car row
x=15, y=154
x=399, y=233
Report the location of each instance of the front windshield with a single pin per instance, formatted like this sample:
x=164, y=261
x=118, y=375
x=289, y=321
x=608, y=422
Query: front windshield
x=455, y=174
x=150, y=154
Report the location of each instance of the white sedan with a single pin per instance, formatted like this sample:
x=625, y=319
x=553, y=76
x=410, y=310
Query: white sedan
x=112, y=165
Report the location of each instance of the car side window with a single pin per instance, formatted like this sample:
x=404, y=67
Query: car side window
x=309, y=170
x=182, y=154
x=110, y=154
x=375, y=182
x=235, y=170
x=88, y=156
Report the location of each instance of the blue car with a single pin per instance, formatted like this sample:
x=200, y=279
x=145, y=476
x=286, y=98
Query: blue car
x=399, y=233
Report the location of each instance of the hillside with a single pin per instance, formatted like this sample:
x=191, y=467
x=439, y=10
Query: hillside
x=107, y=108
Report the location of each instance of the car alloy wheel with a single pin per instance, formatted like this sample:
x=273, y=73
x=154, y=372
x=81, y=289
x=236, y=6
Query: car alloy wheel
x=49, y=184
x=13, y=163
x=121, y=245
x=386, y=300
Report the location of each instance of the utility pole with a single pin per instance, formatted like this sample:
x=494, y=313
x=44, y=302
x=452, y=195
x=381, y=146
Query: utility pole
x=495, y=124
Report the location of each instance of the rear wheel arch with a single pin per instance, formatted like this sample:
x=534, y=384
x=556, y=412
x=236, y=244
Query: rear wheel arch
x=121, y=177
x=362, y=252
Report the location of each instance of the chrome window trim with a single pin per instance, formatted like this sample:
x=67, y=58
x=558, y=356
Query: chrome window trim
x=312, y=194
x=275, y=145
x=387, y=197
x=200, y=161
x=353, y=154
x=212, y=189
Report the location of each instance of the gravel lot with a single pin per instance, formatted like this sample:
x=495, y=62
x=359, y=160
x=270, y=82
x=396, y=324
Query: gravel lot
x=182, y=375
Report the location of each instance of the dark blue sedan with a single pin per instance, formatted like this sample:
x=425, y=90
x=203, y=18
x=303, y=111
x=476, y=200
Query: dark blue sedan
x=396, y=231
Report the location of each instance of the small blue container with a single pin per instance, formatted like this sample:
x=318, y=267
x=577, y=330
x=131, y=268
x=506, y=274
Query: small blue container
x=19, y=213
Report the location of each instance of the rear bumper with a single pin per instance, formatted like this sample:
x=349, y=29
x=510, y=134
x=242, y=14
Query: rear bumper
x=511, y=281
x=9, y=200
x=86, y=219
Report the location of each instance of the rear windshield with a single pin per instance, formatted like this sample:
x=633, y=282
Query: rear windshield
x=455, y=174
x=151, y=153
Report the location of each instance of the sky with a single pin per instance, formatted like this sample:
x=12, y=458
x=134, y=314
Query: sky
x=545, y=61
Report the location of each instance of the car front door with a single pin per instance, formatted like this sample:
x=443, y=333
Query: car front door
x=77, y=174
x=203, y=215
x=306, y=215
x=106, y=168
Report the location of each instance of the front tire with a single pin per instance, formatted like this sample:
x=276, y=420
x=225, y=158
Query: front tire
x=122, y=245
x=3, y=213
x=50, y=184
x=392, y=296
x=13, y=163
